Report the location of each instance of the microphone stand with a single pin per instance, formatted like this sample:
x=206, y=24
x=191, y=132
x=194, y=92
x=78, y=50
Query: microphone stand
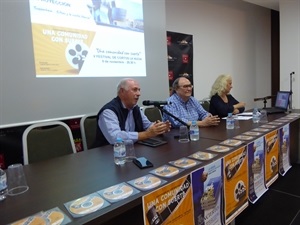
x=264, y=99
x=170, y=114
x=265, y=103
x=291, y=91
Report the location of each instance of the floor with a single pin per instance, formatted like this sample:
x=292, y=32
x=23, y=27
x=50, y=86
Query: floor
x=280, y=205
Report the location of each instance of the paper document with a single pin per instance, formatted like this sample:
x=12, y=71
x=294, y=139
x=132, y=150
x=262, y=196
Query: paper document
x=244, y=117
x=245, y=114
x=240, y=118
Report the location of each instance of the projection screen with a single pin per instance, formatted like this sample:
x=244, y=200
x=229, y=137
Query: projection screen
x=37, y=82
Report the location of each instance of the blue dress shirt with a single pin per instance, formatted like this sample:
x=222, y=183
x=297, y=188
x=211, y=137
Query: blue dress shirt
x=191, y=110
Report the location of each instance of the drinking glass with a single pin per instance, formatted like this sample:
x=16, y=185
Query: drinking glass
x=130, y=152
x=263, y=116
x=183, y=134
x=236, y=122
x=16, y=180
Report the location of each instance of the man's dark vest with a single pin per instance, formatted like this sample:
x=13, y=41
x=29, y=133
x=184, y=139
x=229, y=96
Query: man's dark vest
x=116, y=106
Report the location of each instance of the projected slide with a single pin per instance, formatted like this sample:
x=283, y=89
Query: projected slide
x=88, y=38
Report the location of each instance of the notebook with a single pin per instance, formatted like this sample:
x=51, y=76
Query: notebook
x=281, y=104
x=153, y=142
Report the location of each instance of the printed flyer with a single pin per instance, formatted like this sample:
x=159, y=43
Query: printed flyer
x=256, y=169
x=271, y=152
x=207, y=184
x=284, y=150
x=170, y=204
x=235, y=183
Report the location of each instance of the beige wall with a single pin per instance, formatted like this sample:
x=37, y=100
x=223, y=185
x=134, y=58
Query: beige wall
x=290, y=48
x=229, y=37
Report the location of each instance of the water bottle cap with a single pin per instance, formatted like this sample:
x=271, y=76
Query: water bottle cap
x=119, y=139
x=229, y=114
x=194, y=122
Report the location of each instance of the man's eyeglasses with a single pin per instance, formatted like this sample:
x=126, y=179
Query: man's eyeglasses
x=187, y=86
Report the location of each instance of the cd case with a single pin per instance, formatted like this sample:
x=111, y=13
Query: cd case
x=86, y=205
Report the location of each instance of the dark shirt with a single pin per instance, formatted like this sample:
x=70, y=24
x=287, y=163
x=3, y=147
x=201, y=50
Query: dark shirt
x=218, y=107
x=116, y=106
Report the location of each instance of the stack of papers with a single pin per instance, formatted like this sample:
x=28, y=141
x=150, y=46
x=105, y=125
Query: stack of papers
x=242, y=116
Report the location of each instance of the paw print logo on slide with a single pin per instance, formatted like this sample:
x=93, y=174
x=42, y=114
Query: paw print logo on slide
x=76, y=54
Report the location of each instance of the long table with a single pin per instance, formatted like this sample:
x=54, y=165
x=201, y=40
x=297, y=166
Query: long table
x=55, y=182
x=220, y=133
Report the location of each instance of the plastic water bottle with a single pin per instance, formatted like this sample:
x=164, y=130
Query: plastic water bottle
x=229, y=121
x=255, y=115
x=119, y=152
x=3, y=185
x=194, y=131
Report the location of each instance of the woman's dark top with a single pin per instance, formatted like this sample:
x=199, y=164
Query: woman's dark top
x=218, y=107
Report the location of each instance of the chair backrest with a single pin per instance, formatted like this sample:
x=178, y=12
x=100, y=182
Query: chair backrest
x=47, y=140
x=205, y=105
x=153, y=114
x=88, y=128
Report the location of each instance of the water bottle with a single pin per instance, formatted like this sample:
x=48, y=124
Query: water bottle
x=3, y=185
x=119, y=152
x=255, y=115
x=194, y=131
x=229, y=121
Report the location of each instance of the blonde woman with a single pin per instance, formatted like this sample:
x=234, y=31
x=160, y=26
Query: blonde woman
x=221, y=101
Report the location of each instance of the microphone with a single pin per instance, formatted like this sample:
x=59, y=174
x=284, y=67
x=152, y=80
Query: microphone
x=258, y=99
x=271, y=96
x=155, y=103
x=264, y=98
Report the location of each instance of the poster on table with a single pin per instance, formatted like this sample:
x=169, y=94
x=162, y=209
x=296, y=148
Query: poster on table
x=256, y=169
x=170, y=204
x=284, y=149
x=235, y=183
x=271, y=152
x=207, y=184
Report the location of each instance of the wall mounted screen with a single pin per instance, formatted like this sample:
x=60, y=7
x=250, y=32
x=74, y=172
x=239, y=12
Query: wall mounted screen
x=88, y=38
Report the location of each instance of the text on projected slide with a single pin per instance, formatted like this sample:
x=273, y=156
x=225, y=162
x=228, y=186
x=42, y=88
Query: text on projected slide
x=88, y=38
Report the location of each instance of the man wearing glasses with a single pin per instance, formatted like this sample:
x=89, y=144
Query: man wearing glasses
x=185, y=107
